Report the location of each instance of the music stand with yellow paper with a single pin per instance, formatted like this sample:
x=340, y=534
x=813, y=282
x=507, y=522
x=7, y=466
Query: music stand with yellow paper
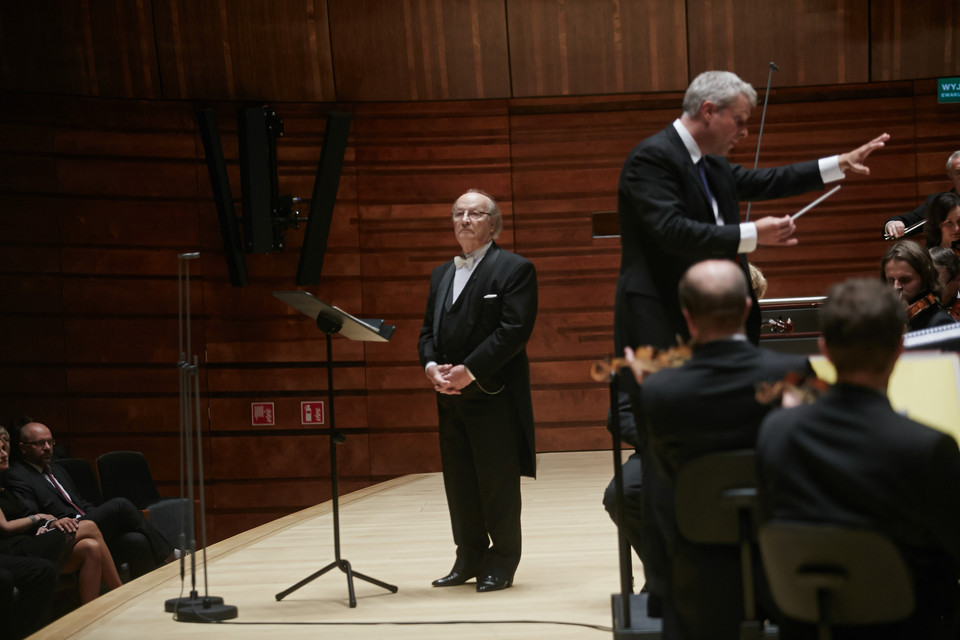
x=924, y=385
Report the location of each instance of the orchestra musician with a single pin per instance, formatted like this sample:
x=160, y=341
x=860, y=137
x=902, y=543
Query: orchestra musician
x=947, y=263
x=943, y=222
x=908, y=268
x=896, y=226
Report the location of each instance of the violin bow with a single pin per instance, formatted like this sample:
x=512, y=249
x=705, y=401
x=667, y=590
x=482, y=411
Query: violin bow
x=763, y=119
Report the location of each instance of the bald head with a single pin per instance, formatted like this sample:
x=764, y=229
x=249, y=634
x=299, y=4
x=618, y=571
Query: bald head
x=715, y=299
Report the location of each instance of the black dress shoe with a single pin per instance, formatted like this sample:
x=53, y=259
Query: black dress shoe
x=493, y=583
x=453, y=579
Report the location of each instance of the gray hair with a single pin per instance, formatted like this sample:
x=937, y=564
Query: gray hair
x=719, y=87
x=953, y=156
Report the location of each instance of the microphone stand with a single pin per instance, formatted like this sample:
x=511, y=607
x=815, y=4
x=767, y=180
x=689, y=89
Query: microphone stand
x=193, y=608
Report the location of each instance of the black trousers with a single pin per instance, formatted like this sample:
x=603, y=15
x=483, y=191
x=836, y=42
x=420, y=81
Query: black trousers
x=34, y=578
x=130, y=537
x=480, y=453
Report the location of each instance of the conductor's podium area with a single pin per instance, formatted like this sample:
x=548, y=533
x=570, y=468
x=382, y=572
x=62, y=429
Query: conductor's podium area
x=925, y=384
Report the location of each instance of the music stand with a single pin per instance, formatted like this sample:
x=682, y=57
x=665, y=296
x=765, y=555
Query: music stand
x=333, y=320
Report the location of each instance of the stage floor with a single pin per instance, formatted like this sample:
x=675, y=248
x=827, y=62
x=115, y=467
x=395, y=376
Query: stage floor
x=399, y=533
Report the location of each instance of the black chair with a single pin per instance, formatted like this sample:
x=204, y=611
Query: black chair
x=81, y=472
x=126, y=474
x=829, y=575
x=715, y=498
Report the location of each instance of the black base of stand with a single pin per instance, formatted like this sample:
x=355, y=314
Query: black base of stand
x=641, y=625
x=175, y=604
x=207, y=611
x=344, y=566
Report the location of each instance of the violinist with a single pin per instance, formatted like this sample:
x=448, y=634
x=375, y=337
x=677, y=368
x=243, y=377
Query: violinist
x=898, y=226
x=908, y=268
x=947, y=264
x=943, y=222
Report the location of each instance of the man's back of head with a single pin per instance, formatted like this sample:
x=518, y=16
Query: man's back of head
x=862, y=324
x=715, y=299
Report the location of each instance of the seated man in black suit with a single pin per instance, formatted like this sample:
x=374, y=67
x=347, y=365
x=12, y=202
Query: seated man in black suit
x=850, y=459
x=45, y=487
x=708, y=404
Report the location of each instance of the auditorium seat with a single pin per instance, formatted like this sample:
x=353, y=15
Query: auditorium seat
x=126, y=474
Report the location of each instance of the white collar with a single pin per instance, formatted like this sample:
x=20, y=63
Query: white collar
x=692, y=148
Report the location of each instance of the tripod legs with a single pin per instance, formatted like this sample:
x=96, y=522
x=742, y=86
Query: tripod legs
x=344, y=566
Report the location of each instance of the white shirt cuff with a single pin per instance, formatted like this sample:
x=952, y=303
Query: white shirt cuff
x=830, y=169
x=748, y=237
x=429, y=364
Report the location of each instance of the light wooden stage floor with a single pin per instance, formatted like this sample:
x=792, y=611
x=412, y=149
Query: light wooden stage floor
x=397, y=532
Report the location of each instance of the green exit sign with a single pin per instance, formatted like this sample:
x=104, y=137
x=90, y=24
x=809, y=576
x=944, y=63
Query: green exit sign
x=948, y=90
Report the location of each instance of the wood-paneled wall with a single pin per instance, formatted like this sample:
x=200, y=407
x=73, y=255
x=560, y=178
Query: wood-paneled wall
x=376, y=50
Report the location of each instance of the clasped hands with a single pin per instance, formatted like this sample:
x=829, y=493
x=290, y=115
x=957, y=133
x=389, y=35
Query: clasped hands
x=448, y=379
x=778, y=232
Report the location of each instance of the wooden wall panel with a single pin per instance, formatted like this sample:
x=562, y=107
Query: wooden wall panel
x=582, y=47
x=812, y=41
x=104, y=48
x=426, y=50
x=244, y=50
x=914, y=40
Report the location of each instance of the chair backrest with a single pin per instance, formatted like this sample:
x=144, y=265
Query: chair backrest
x=81, y=472
x=126, y=474
x=827, y=574
x=715, y=497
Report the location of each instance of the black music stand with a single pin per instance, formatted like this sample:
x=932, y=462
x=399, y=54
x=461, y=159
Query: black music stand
x=629, y=609
x=332, y=320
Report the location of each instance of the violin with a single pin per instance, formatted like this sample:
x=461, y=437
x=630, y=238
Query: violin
x=777, y=325
x=646, y=360
x=925, y=302
x=795, y=389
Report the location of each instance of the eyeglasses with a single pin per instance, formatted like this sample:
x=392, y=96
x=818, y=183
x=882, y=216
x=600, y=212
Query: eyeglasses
x=473, y=215
x=40, y=443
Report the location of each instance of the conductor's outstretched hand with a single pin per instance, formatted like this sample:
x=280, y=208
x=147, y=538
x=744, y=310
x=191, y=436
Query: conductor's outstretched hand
x=853, y=160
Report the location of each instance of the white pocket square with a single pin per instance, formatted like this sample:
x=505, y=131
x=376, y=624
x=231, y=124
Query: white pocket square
x=489, y=296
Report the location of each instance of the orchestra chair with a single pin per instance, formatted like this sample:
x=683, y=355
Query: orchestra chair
x=715, y=499
x=829, y=575
x=126, y=474
x=84, y=479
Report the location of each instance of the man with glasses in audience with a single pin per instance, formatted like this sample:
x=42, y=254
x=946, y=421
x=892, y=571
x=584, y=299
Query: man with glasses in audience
x=479, y=316
x=45, y=487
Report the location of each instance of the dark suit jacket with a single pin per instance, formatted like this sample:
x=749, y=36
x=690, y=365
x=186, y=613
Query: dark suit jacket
x=913, y=217
x=850, y=459
x=667, y=224
x=705, y=406
x=38, y=495
x=499, y=309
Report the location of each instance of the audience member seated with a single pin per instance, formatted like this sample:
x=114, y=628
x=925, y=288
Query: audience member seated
x=43, y=485
x=849, y=459
x=947, y=264
x=34, y=579
x=704, y=406
x=908, y=268
x=943, y=222
x=897, y=225
x=77, y=547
